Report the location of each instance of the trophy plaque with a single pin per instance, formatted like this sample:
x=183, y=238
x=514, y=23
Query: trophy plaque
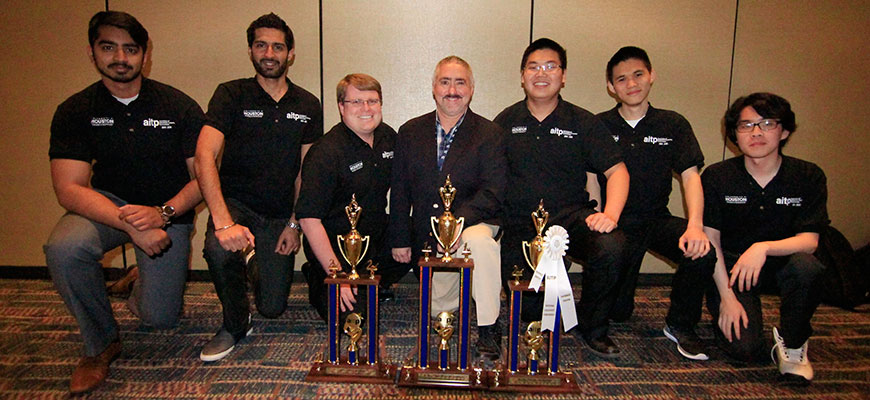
x=361, y=365
x=531, y=376
x=451, y=369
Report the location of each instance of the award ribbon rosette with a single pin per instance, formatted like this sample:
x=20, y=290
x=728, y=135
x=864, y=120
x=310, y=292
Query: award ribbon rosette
x=557, y=290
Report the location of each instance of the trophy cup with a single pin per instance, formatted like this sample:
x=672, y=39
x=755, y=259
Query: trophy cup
x=531, y=378
x=444, y=372
x=350, y=245
x=355, y=367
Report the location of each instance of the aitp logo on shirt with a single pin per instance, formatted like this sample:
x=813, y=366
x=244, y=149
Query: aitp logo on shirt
x=252, y=113
x=661, y=141
x=102, y=121
x=387, y=155
x=519, y=129
x=298, y=117
x=356, y=166
x=735, y=199
x=563, y=133
x=158, y=123
x=789, y=201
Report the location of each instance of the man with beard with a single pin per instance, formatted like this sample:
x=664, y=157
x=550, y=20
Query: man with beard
x=264, y=125
x=353, y=160
x=452, y=140
x=134, y=139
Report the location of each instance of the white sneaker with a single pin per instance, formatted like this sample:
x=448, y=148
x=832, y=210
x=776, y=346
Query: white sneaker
x=793, y=362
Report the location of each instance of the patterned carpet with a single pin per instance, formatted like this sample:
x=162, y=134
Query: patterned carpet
x=39, y=346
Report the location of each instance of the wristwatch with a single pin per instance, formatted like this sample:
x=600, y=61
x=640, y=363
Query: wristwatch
x=292, y=225
x=166, y=212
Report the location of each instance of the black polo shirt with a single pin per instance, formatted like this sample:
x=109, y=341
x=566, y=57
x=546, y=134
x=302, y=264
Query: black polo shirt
x=340, y=165
x=138, y=150
x=661, y=144
x=549, y=159
x=262, y=142
x=793, y=202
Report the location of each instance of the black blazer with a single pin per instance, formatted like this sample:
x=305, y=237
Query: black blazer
x=477, y=166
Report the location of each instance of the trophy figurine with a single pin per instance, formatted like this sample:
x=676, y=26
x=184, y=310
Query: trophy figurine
x=444, y=328
x=533, y=251
x=350, y=245
x=447, y=226
x=353, y=328
x=534, y=340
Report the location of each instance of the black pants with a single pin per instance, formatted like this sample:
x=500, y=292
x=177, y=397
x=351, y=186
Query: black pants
x=602, y=254
x=796, y=278
x=690, y=281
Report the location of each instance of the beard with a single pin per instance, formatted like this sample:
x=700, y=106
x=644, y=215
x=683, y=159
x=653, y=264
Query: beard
x=128, y=76
x=277, y=72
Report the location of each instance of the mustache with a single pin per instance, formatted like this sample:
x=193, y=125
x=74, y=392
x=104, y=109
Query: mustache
x=119, y=64
x=452, y=96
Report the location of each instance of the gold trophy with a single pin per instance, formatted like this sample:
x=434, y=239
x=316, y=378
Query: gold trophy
x=447, y=226
x=353, y=328
x=533, y=251
x=350, y=245
x=444, y=328
x=534, y=340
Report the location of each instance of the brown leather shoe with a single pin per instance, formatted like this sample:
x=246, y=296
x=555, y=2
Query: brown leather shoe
x=92, y=371
x=122, y=287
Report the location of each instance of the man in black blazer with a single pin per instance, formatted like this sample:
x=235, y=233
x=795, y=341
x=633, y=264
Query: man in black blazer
x=452, y=140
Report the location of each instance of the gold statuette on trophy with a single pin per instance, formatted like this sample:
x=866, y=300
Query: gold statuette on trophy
x=534, y=340
x=533, y=251
x=353, y=328
x=351, y=245
x=447, y=227
x=444, y=328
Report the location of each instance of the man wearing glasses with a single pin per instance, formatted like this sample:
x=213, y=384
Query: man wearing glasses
x=551, y=144
x=353, y=160
x=763, y=214
x=264, y=125
x=454, y=141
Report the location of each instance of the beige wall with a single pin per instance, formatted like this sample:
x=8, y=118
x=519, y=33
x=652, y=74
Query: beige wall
x=811, y=54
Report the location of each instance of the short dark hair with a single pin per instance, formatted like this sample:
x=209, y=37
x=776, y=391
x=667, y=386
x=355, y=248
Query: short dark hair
x=545, y=43
x=624, y=54
x=273, y=21
x=120, y=20
x=767, y=105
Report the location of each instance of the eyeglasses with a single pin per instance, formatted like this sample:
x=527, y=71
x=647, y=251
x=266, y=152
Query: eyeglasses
x=547, y=67
x=360, y=102
x=765, y=125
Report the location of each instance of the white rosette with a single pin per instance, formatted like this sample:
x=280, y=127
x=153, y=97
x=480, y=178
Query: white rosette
x=558, y=288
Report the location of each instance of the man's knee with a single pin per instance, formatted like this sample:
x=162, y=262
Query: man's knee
x=160, y=319
x=62, y=250
x=271, y=308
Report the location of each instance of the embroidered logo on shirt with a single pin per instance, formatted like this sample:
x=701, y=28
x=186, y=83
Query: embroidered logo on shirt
x=789, y=201
x=387, y=155
x=356, y=166
x=253, y=113
x=735, y=199
x=158, y=123
x=563, y=133
x=102, y=121
x=661, y=141
x=519, y=129
x=298, y=117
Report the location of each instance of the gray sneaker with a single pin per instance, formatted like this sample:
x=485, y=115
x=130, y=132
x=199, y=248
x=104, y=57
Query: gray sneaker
x=221, y=344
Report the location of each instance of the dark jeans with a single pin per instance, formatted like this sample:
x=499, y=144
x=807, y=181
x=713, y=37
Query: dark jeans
x=602, y=256
x=691, y=279
x=797, y=280
x=227, y=269
x=389, y=270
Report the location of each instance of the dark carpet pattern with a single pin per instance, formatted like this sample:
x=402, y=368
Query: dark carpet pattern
x=40, y=344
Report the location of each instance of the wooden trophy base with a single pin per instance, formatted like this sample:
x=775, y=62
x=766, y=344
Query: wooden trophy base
x=452, y=377
x=522, y=381
x=324, y=371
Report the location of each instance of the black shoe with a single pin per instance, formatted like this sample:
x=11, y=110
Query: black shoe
x=688, y=342
x=385, y=294
x=489, y=341
x=602, y=346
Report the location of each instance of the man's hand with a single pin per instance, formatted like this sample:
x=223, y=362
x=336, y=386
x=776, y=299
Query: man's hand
x=151, y=241
x=347, y=297
x=600, y=222
x=731, y=314
x=235, y=238
x=141, y=217
x=288, y=242
x=402, y=254
x=694, y=243
x=748, y=267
